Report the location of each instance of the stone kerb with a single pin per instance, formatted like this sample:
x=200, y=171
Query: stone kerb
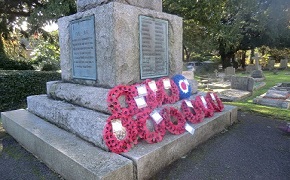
x=83, y=5
x=117, y=44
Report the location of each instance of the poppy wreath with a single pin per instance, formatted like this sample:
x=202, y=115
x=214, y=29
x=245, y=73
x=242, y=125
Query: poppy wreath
x=144, y=133
x=174, y=128
x=195, y=115
x=215, y=101
x=159, y=96
x=149, y=98
x=113, y=101
x=208, y=111
x=183, y=86
x=173, y=96
x=198, y=111
x=120, y=145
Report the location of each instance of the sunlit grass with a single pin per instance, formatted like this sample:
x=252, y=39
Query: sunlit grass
x=273, y=112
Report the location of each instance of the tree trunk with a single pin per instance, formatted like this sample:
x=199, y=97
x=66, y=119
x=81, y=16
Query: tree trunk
x=2, y=51
x=252, y=55
x=243, y=59
x=186, y=54
x=226, y=59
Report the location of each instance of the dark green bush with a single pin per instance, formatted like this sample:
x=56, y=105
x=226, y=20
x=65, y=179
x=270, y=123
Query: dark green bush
x=15, y=86
x=8, y=64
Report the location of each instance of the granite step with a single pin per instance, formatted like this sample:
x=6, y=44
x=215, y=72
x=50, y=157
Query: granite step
x=70, y=156
x=85, y=123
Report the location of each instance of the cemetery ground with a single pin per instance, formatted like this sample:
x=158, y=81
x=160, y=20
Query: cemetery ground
x=271, y=80
x=253, y=148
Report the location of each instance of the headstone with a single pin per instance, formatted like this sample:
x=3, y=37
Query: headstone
x=257, y=59
x=127, y=48
x=284, y=64
x=216, y=72
x=242, y=83
x=271, y=64
x=188, y=74
x=257, y=74
x=250, y=68
x=229, y=71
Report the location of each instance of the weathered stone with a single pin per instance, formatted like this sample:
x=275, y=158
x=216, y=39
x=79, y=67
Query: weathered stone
x=284, y=104
x=271, y=64
x=66, y=154
x=284, y=64
x=257, y=74
x=85, y=123
x=188, y=74
x=242, y=83
x=220, y=85
x=86, y=96
x=230, y=95
x=149, y=159
x=229, y=71
x=277, y=94
x=117, y=44
x=83, y=5
x=194, y=85
x=250, y=68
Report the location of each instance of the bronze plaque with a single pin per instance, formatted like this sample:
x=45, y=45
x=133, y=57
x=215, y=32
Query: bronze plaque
x=153, y=47
x=83, y=48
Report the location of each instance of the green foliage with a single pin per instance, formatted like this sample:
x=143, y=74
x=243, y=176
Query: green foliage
x=46, y=55
x=37, y=13
x=17, y=85
x=9, y=64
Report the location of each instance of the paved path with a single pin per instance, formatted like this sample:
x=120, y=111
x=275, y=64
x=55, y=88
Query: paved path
x=252, y=149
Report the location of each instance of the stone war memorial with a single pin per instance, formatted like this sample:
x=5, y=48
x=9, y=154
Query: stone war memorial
x=122, y=110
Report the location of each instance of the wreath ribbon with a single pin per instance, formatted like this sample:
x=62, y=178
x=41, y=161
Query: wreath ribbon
x=120, y=145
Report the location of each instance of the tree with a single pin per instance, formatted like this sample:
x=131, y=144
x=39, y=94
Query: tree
x=36, y=12
x=228, y=25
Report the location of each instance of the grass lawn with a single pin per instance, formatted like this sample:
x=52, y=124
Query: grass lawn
x=271, y=80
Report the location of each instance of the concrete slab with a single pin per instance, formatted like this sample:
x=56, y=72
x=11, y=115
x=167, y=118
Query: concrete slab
x=151, y=158
x=67, y=154
x=230, y=95
x=280, y=103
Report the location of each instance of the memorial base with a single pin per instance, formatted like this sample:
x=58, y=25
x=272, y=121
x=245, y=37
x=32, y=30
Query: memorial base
x=74, y=158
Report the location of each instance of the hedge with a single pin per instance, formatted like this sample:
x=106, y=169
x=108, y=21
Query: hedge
x=15, y=86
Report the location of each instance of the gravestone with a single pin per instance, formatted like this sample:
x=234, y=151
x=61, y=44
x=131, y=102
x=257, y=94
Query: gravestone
x=242, y=83
x=257, y=74
x=189, y=75
x=283, y=64
x=250, y=68
x=271, y=64
x=229, y=71
x=257, y=59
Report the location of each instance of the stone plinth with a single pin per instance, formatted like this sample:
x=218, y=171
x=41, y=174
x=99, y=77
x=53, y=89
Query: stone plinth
x=83, y=5
x=117, y=44
x=74, y=158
